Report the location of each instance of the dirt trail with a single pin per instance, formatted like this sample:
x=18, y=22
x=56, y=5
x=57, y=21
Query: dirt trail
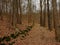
x=40, y=36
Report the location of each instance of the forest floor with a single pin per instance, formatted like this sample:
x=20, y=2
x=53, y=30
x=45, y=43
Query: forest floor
x=37, y=36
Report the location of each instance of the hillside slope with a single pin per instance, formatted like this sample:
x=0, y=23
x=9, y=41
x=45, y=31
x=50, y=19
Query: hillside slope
x=37, y=36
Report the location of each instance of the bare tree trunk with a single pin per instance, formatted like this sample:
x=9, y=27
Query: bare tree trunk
x=29, y=12
x=44, y=13
x=17, y=6
x=48, y=14
x=56, y=21
x=11, y=12
x=49, y=17
x=1, y=17
x=9, y=15
x=0, y=13
x=19, y=15
x=41, y=12
x=59, y=11
x=14, y=14
x=6, y=6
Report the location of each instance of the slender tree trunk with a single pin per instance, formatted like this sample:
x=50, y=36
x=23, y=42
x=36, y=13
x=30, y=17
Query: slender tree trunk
x=6, y=12
x=48, y=14
x=41, y=12
x=20, y=15
x=0, y=13
x=56, y=21
x=44, y=13
x=29, y=12
x=59, y=12
x=11, y=12
x=6, y=6
x=16, y=10
x=9, y=16
x=17, y=2
x=1, y=17
x=14, y=14
x=0, y=10
x=49, y=17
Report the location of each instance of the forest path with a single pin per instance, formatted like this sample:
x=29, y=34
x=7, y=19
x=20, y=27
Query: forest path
x=40, y=36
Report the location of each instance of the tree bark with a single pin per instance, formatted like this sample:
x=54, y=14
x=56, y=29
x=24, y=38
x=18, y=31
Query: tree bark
x=0, y=13
x=41, y=12
x=56, y=21
x=20, y=15
x=14, y=14
x=44, y=14
x=29, y=12
x=49, y=17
